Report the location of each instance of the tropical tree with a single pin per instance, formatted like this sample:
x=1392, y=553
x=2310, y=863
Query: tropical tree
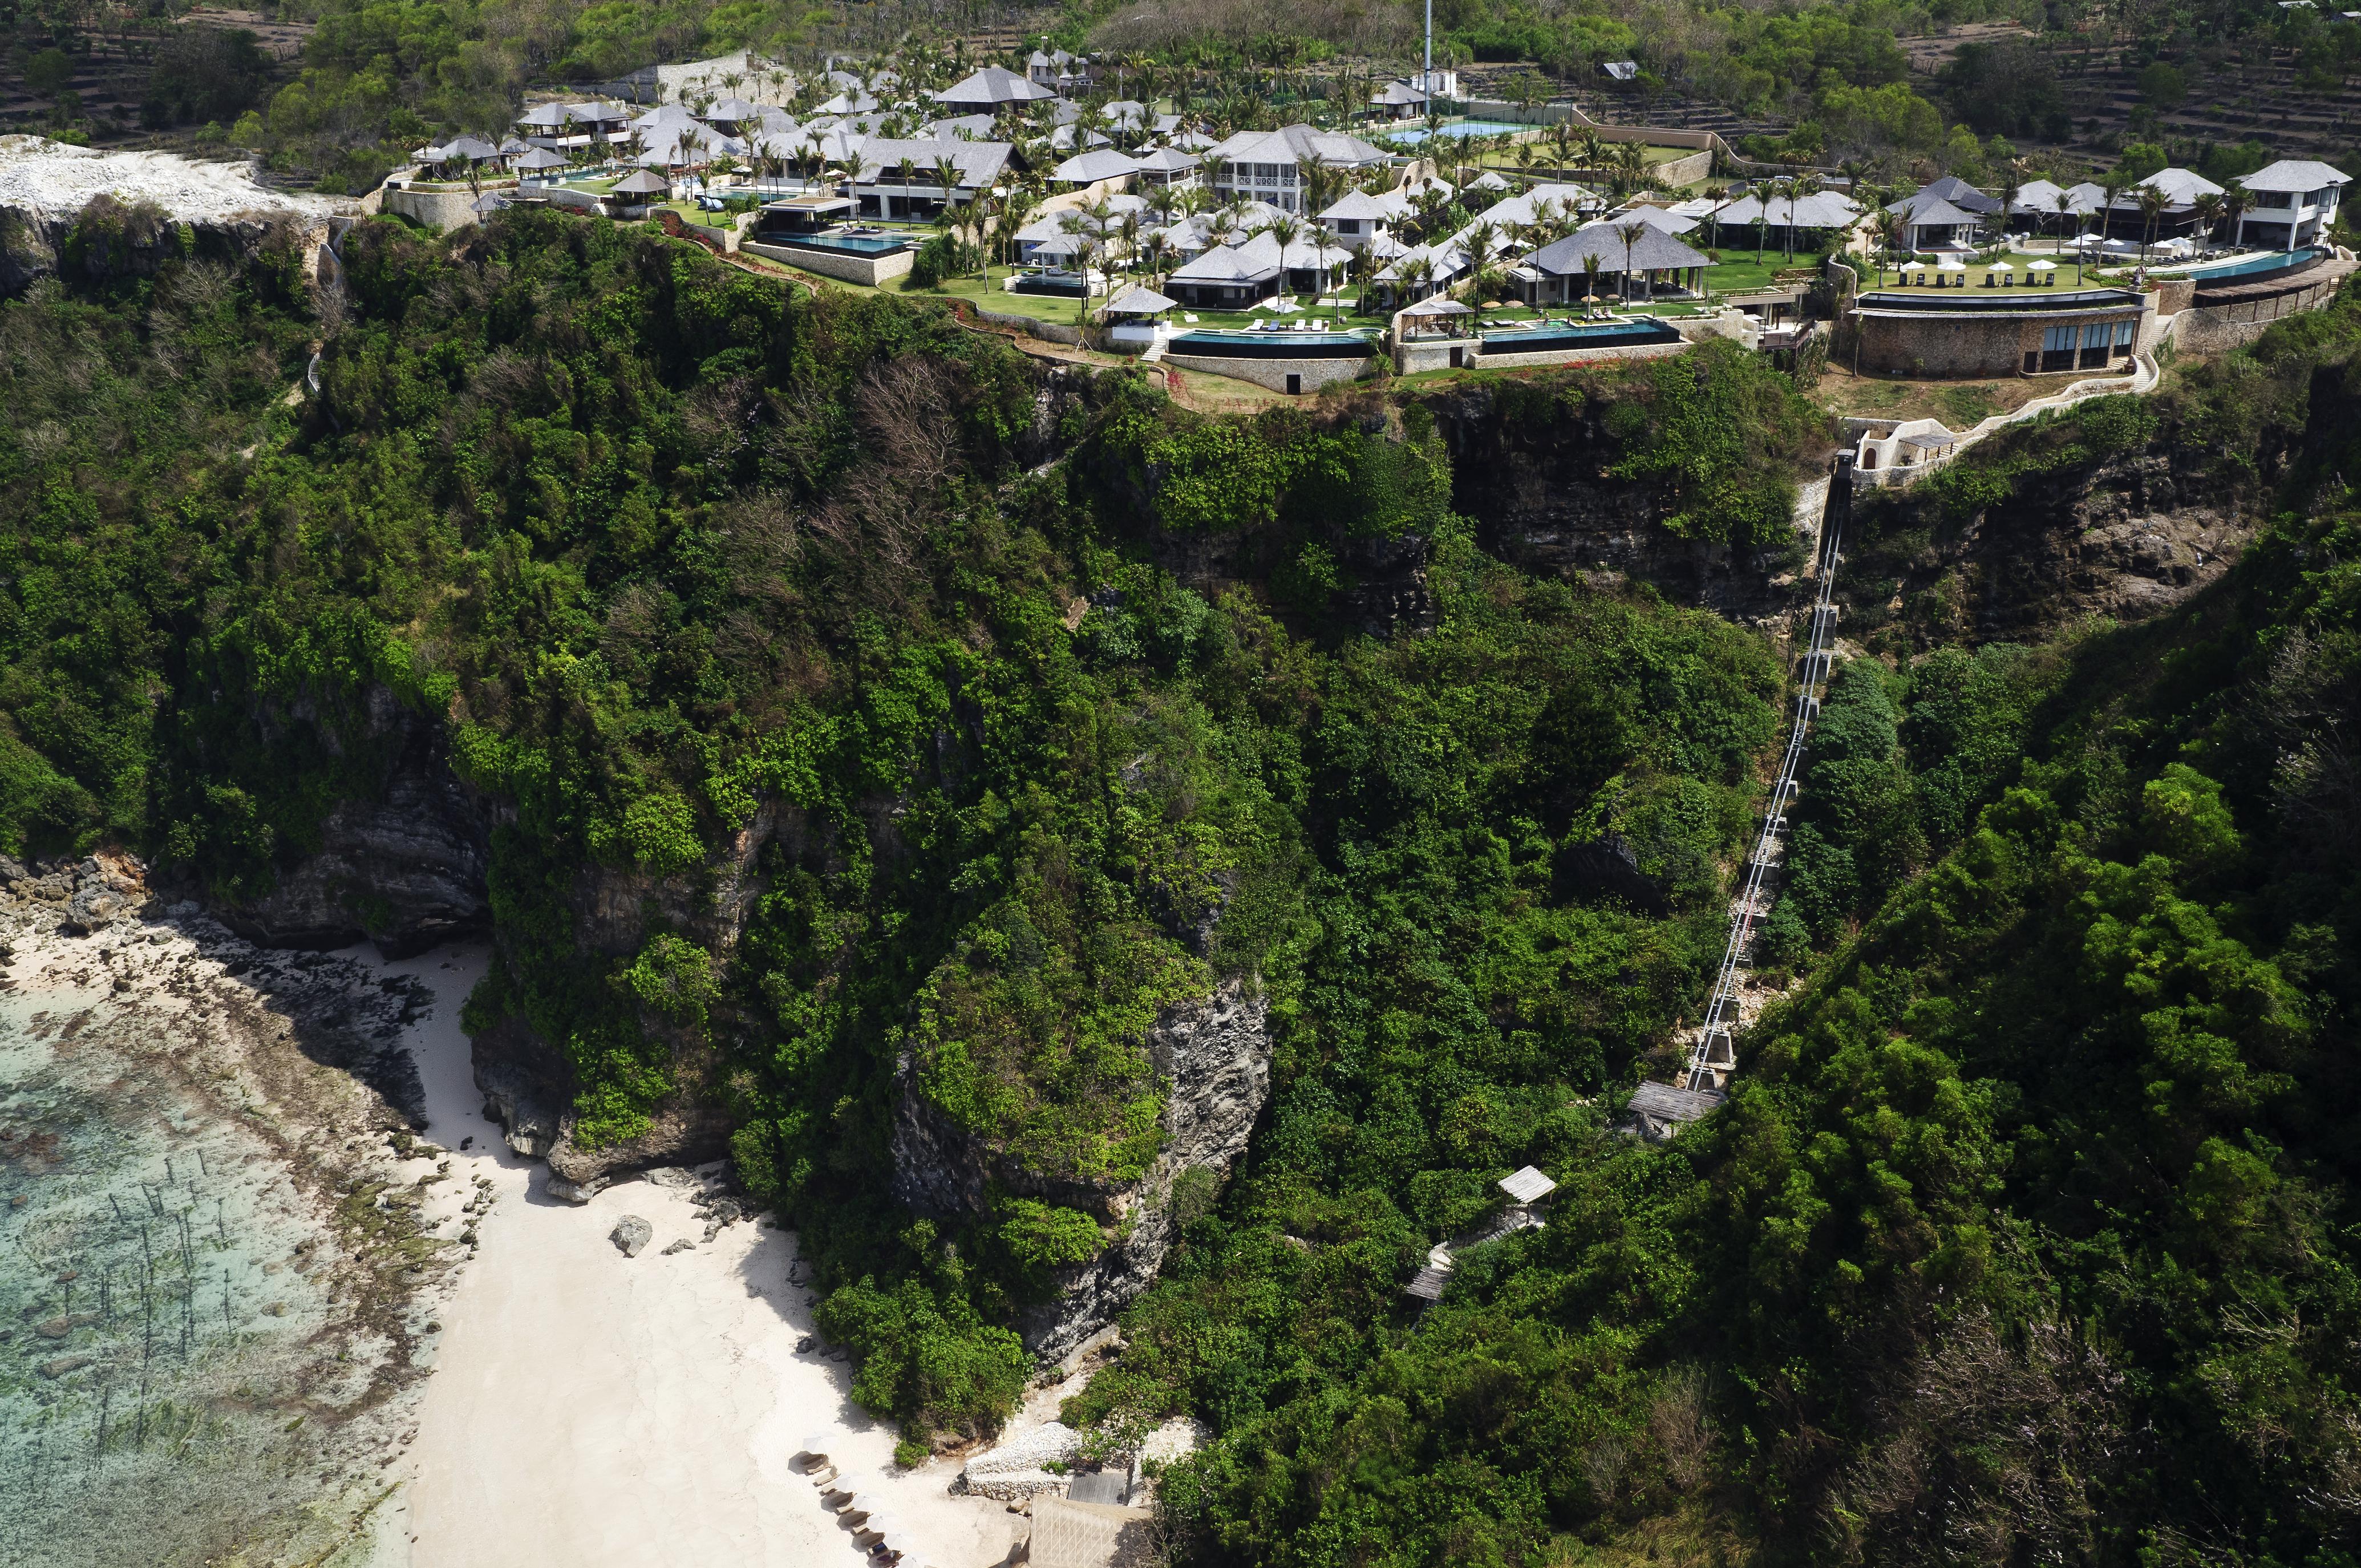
x=1630, y=231
x=2207, y=209
x=2152, y=204
x=1589, y=284
x=2235, y=201
x=1286, y=228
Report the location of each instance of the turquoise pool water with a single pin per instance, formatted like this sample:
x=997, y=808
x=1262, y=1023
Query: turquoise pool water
x=858, y=244
x=2277, y=261
x=1463, y=130
x=1582, y=334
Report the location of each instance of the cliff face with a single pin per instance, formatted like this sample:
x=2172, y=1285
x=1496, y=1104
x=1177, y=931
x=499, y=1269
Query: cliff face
x=2121, y=540
x=405, y=870
x=1215, y=1056
x=529, y=1086
x=1542, y=498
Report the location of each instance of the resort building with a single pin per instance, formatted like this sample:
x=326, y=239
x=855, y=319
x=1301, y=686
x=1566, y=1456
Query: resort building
x=1267, y=166
x=1238, y=276
x=1166, y=166
x=1093, y=168
x=1399, y=101
x=900, y=178
x=1943, y=214
x=2017, y=332
x=1802, y=218
x=1063, y=73
x=565, y=127
x=1555, y=274
x=1356, y=217
x=992, y=89
x=2129, y=221
x=2294, y=203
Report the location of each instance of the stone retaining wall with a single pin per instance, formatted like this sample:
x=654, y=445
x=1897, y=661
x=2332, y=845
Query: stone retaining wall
x=841, y=265
x=1900, y=343
x=1273, y=373
x=435, y=209
x=1434, y=354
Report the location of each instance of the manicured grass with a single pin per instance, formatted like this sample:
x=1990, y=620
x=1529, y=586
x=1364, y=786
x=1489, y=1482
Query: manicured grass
x=2016, y=281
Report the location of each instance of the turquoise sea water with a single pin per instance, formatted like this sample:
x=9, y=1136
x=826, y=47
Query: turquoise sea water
x=191, y=1367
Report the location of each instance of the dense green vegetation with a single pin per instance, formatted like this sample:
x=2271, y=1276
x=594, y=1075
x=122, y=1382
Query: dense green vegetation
x=2025, y=1235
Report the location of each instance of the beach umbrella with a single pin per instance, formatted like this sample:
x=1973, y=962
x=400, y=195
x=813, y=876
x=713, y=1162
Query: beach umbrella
x=2042, y=266
x=1951, y=264
x=2003, y=267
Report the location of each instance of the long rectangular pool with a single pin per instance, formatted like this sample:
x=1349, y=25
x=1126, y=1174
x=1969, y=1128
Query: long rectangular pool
x=1270, y=344
x=1581, y=334
x=856, y=244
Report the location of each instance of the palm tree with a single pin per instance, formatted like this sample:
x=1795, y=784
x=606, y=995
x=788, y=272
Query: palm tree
x=1561, y=141
x=1286, y=228
x=1629, y=232
x=1763, y=197
x=2208, y=210
x=2234, y=202
x=2152, y=203
x=1589, y=284
x=1893, y=228
x=2114, y=182
x=947, y=175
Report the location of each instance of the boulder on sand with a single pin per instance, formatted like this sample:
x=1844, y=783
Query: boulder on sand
x=631, y=1233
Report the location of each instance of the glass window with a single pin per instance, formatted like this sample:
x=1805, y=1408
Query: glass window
x=2057, y=339
x=2124, y=331
x=2095, y=336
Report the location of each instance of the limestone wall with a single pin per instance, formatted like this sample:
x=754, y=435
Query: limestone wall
x=436, y=209
x=842, y=265
x=1273, y=373
x=1434, y=354
x=1896, y=343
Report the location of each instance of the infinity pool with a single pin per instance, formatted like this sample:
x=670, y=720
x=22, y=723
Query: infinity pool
x=2275, y=262
x=1463, y=130
x=858, y=244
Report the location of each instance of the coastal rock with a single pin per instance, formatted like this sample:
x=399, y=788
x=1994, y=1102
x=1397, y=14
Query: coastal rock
x=576, y=1191
x=631, y=1234
x=1214, y=1054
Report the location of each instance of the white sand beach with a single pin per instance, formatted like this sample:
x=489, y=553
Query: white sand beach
x=592, y=1408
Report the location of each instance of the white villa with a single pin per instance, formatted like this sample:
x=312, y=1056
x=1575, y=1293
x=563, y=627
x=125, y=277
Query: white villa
x=1267, y=166
x=2294, y=203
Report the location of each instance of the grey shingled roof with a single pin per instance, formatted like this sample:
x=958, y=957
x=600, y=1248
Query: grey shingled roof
x=2296, y=174
x=1654, y=250
x=992, y=86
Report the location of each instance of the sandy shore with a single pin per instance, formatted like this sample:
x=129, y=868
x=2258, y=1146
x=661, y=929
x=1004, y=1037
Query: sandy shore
x=592, y=1408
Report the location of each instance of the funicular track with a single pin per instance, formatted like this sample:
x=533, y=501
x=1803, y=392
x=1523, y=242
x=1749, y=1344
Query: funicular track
x=1713, y=1056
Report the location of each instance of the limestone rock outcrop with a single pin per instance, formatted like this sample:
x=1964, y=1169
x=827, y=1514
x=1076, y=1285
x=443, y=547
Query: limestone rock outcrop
x=1213, y=1056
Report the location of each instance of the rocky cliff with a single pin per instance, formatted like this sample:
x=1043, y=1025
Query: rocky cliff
x=1542, y=497
x=2121, y=540
x=1213, y=1056
x=404, y=870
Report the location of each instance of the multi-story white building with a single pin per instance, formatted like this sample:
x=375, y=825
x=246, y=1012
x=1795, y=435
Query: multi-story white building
x=1267, y=166
x=2294, y=202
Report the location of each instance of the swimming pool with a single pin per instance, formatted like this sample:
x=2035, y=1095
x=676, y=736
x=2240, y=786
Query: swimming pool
x=858, y=244
x=1583, y=334
x=1465, y=130
x=1270, y=344
x=2277, y=261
